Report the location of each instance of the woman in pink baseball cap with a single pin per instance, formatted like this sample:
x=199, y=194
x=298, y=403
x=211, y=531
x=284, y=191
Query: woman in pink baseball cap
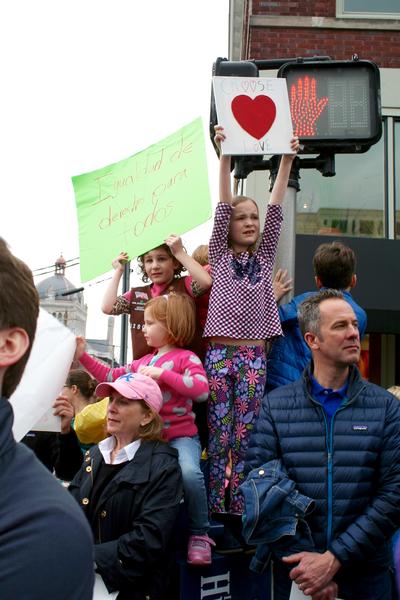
x=130, y=487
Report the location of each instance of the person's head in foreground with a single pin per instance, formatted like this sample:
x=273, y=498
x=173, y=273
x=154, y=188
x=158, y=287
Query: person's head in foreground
x=133, y=409
x=19, y=311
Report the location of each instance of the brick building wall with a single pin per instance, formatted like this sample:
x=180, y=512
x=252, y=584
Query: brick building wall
x=291, y=28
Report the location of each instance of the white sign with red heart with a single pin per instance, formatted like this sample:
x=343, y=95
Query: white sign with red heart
x=255, y=115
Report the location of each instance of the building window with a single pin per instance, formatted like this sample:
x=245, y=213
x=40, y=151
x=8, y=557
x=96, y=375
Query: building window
x=350, y=204
x=340, y=224
x=368, y=9
x=367, y=227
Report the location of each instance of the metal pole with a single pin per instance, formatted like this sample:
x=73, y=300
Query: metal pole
x=125, y=318
x=285, y=256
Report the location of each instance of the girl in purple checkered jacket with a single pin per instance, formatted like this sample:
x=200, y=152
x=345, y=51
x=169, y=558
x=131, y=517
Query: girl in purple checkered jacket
x=242, y=314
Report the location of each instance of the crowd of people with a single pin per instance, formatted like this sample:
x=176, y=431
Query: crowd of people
x=302, y=453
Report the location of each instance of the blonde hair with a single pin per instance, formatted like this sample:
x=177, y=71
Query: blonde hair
x=395, y=390
x=200, y=255
x=152, y=430
x=178, y=315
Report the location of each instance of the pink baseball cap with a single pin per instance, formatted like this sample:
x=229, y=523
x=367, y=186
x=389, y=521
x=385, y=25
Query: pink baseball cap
x=134, y=386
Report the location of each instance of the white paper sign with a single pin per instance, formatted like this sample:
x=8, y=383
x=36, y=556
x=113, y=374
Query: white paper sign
x=100, y=591
x=44, y=376
x=48, y=422
x=255, y=115
x=297, y=594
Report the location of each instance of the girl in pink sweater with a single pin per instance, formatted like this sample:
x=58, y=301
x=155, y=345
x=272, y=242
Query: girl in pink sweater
x=169, y=324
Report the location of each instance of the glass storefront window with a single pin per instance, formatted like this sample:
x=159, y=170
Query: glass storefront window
x=349, y=204
x=397, y=176
x=385, y=9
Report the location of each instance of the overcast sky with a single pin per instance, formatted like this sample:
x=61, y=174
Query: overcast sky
x=86, y=83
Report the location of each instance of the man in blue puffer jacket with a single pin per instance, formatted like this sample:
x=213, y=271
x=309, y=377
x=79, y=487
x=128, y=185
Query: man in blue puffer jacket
x=334, y=267
x=338, y=437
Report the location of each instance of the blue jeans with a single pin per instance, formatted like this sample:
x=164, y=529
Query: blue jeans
x=194, y=488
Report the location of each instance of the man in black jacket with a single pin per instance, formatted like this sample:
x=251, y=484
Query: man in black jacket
x=339, y=439
x=46, y=548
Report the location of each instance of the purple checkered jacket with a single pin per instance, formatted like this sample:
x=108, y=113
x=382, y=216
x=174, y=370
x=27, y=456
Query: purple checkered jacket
x=242, y=302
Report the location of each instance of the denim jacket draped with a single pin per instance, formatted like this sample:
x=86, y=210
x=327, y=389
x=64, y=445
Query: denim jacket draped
x=275, y=514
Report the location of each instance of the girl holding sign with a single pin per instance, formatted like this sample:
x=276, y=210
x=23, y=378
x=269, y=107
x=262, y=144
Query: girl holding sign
x=162, y=266
x=242, y=314
x=169, y=325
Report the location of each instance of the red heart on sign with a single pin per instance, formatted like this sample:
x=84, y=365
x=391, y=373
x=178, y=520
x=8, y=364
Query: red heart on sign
x=255, y=116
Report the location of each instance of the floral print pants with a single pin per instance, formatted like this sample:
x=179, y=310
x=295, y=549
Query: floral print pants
x=236, y=376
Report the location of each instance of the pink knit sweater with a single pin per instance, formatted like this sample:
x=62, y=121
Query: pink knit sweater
x=183, y=381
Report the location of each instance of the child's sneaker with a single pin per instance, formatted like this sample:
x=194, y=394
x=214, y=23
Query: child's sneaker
x=199, y=550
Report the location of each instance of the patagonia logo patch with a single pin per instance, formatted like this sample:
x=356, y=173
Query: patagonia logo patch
x=360, y=427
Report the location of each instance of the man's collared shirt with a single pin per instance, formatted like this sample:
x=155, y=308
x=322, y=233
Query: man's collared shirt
x=127, y=453
x=329, y=399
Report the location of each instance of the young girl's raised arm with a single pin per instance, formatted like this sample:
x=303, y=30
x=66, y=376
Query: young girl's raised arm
x=273, y=222
x=281, y=181
x=225, y=190
x=195, y=270
x=111, y=292
x=100, y=371
x=97, y=369
x=220, y=233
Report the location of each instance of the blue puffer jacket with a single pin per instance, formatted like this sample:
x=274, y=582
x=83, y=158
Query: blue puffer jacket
x=351, y=470
x=289, y=355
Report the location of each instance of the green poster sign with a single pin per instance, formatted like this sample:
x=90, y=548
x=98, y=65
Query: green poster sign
x=133, y=205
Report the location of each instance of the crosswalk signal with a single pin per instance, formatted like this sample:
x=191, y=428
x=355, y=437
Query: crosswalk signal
x=334, y=105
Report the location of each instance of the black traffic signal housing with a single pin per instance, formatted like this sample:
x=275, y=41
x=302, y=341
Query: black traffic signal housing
x=335, y=105
x=335, y=109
